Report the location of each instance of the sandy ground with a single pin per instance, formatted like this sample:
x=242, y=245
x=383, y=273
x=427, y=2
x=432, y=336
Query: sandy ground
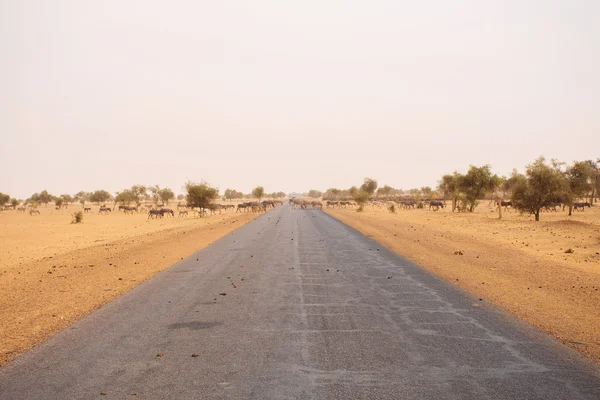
x=53, y=272
x=515, y=263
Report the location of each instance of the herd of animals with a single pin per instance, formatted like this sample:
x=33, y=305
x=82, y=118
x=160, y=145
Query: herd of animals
x=183, y=210
x=436, y=204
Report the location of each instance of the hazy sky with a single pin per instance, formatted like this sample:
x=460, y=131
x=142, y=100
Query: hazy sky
x=292, y=95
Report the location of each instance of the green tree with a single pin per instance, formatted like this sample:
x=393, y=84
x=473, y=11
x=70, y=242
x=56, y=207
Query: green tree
x=58, y=202
x=67, y=199
x=231, y=194
x=361, y=197
x=100, y=196
x=166, y=195
x=385, y=191
x=140, y=192
x=45, y=197
x=126, y=197
x=81, y=197
x=475, y=184
x=541, y=186
x=180, y=197
x=154, y=193
x=258, y=192
x=579, y=180
x=200, y=194
x=594, y=170
x=369, y=186
x=4, y=198
x=449, y=187
x=14, y=202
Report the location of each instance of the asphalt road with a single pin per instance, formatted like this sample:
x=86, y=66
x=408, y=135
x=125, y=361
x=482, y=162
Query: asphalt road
x=296, y=305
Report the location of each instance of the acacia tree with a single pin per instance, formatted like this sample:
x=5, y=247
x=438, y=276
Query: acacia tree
x=578, y=178
x=228, y=194
x=362, y=195
x=594, y=179
x=67, y=199
x=369, y=186
x=258, y=192
x=4, y=198
x=154, y=193
x=385, y=191
x=166, y=195
x=125, y=197
x=81, y=197
x=541, y=186
x=100, y=196
x=231, y=194
x=449, y=188
x=14, y=202
x=140, y=192
x=476, y=183
x=44, y=197
x=200, y=194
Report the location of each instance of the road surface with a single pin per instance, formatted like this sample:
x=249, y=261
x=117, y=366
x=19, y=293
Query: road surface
x=296, y=305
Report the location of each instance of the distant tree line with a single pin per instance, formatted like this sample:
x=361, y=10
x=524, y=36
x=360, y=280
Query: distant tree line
x=137, y=194
x=543, y=184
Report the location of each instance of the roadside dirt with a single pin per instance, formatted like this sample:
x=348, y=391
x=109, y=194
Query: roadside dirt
x=515, y=263
x=53, y=273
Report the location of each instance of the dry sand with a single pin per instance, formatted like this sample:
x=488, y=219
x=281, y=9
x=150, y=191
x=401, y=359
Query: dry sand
x=515, y=263
x=53, y=272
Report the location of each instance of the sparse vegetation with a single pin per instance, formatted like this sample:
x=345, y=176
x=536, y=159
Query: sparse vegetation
x=45, y=197
x=77, y=217
x=369, y=186
x=231, y=194
x=166, y=195
x=314, y=193
x=200, y=194
x=126, y=197
x=4, y=198
x=541, y=186
x=258, y=192
x=67, y=199
x=100, y=196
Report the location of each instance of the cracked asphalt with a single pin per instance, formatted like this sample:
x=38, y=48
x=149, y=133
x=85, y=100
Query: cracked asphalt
x=296, y=305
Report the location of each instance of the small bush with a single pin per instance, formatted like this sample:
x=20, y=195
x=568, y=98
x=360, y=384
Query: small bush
x=360, y=208
x=392, y=208
x=420, y=205
x=77, y=217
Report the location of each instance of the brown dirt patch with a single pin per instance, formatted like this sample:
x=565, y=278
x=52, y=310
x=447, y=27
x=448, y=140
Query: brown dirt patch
x=515, y=263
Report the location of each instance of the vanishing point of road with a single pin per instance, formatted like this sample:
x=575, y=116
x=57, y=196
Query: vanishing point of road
x=296, y=305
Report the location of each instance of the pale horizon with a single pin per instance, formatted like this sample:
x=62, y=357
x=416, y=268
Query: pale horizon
x=290, y=96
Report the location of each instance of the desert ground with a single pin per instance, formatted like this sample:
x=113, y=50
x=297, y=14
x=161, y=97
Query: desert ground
x=53, y=272
x=524, y=267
